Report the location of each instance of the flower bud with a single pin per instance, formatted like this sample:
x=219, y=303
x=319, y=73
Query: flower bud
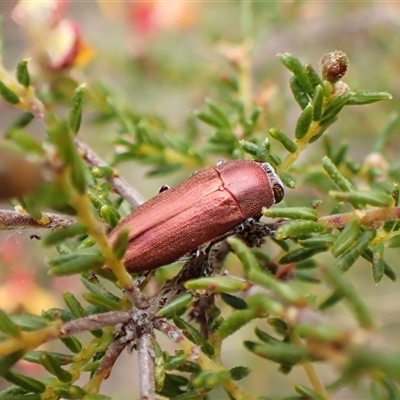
x=333, y=66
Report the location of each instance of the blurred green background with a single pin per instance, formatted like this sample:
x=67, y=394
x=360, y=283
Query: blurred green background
x=168, y=71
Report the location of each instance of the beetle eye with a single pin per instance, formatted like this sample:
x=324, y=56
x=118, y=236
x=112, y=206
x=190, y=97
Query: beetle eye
x=278, y=192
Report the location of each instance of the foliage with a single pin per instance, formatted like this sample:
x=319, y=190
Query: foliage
x=348, y=211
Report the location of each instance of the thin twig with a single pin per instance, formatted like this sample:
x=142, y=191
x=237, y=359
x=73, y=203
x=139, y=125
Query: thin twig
x=146, y=366
x=373, y=217
x=123, y=188
x=95, y=321
x=11, y=219
x=105, y=367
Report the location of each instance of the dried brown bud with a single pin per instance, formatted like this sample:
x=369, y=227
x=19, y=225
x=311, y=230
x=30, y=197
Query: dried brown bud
x=333, y=66
x=18, y=176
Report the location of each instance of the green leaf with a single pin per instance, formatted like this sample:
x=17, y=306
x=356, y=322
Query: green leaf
x=73, y=305
x=347, y=238
x=62, y=359
x=102, y=301
x=300, y=254
x=389, y=272
x=25, y=382
x=218, y=114
x=340, y=155
x=176, y=306
x=35, y=396
x=102, y=171
x=72, y=343
x=333, y=109
x=313, y=76
x=331, y=300
x=282, y=289
x=378, y=265
x=345, y=261
x=29, y=322
x=74, y=263
x=51, y=365
x=304, y=122
x=298, y=93
x=308, y=393
x=291, y=213
x=262, y=304
x=61, y=136
x=288, y=180
x=235, y=321
x=298, y=70
x=93, y=285
x=319, y=241
x=8, y=95
x=249, y=147
x=22, y=73
x=59, y=235
x=333, y=172
x=7, y=326
x=307, y=264
x=194, y=335
x=20, y=122
x=235, y=302
x=281, y=353
x=318, y=99
x=238, y=373
x=110, y=215
x=265, y=337
x=373, y=198
x=286, y=142
x=8, y=361
x=69, y=392
x=210, y=379
x=218, y=284
x=175, y=362
x=279, y=325
x=12, y=391
x=263, y=151
x=209, y=119
x=75, y=114
x=244, y=254
x=361, y=98
x=299, y=228
x=91, y=366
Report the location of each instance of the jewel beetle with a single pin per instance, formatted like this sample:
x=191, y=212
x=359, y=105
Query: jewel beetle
x=197, y=211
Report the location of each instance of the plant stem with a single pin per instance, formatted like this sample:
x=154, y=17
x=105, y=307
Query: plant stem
x=14, y=219
x=146, y=366
x=309, y=370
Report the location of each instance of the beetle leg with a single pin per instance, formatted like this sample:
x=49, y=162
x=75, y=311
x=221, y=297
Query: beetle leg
x=253, y=232
x=217, y=253
x=143, y=280
x=246, y=224
x=163, y=188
